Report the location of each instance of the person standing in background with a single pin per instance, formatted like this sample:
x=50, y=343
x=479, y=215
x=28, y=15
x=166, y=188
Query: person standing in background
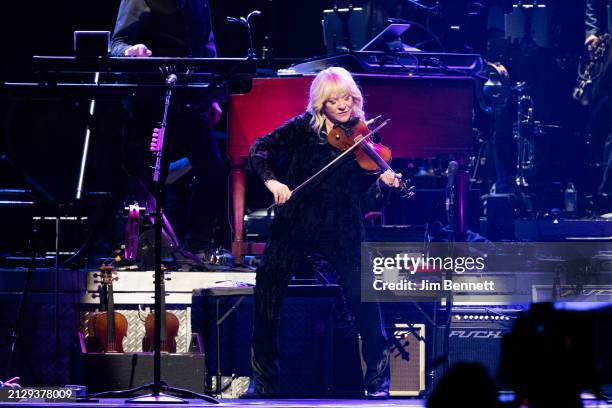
x=175, y=28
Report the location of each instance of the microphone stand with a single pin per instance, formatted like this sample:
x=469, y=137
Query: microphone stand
x=157, y=386
x=246, y=22
x=453, y=226
x=452, y=171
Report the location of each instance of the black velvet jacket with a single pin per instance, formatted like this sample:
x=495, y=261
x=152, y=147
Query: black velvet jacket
x=333, y=204
x=169, y=28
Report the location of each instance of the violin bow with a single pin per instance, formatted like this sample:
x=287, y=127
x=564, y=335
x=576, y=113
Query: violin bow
x=340, y=156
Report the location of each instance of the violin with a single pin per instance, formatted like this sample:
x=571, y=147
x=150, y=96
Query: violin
x=169, y=326
x=355, y=136
x=372, y=157
x=107, y=329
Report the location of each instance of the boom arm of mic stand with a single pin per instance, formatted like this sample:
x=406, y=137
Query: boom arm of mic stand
x=435, y=10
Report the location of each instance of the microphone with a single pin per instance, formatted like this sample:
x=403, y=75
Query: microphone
x=171, y=80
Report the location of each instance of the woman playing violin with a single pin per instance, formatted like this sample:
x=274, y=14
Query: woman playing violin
x=323, y=219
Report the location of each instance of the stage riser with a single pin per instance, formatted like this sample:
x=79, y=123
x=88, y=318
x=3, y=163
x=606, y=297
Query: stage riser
x=112, y=372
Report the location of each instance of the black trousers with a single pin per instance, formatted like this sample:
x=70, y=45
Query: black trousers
x=281, y=260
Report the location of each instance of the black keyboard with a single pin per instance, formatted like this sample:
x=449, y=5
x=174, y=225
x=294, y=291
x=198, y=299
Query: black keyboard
x=409, y=63
x=150, y=65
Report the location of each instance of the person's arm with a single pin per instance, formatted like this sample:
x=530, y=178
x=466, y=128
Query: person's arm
x=265, y=149
x=125, y=36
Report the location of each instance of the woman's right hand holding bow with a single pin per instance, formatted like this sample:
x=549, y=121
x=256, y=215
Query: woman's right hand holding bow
x=279, y=190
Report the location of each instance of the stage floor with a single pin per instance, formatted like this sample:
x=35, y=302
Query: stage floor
x=276, y=403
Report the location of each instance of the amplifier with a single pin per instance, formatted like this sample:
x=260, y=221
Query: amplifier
x=476, y=334
x=407, y=357
x=407, y=361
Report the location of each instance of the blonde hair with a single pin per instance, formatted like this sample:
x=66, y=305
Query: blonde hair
x=333, y=80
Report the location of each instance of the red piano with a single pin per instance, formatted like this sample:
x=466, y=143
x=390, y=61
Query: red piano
x=430, y=116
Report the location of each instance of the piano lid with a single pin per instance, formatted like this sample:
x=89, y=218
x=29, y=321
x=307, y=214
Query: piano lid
x=403, y=63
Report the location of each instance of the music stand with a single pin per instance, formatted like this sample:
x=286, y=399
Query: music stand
x=392, y=34
x=528, y=22
x=344, y=29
